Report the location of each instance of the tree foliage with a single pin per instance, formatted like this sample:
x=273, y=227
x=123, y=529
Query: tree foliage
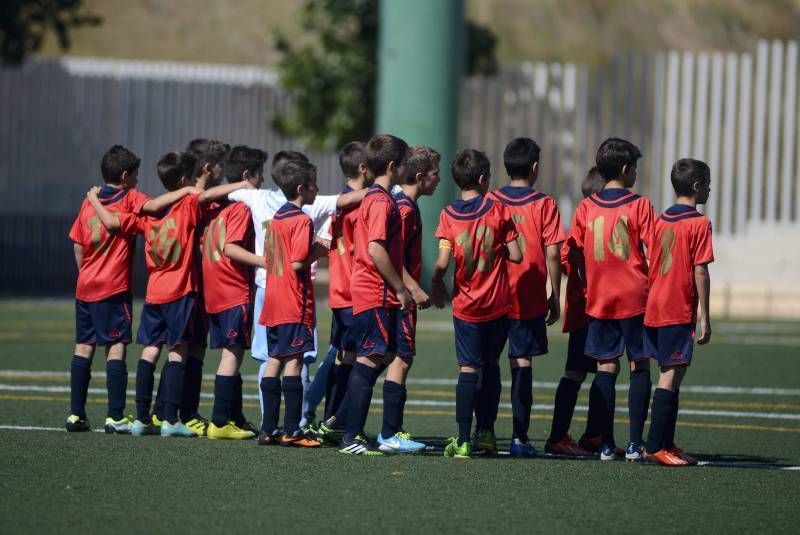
x=333, y=80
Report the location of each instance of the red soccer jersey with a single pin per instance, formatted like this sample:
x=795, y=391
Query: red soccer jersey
x=538, y=222
x=575, y=317
x=170, y=244
x=612, y=228
x=478, y=230
x=107, y=258
x=682, y=240
x=378, y=220
x=289, y=295
x=411, y=224
x=226, y=283
x=340, y=257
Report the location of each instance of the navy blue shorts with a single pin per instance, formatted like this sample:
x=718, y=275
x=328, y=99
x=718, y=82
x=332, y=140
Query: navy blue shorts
x=671, y=345
x=104, y=322
x=290, y=339
x=376, y=331
x=480, y=343
x=231, y=327
x=608, y=339
x=406, y=333
x=343, y=333
x=169, y=323
x=527, y=338
x=576, y=357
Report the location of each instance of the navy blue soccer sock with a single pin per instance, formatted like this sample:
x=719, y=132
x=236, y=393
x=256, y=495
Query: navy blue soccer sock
x=339, y=390
x=402, y=408
x=271, y=396
x=144, y=389
x=224, y=394
x=173, y=390
x=607, y=391
x=193, y=382
x=293, y=396
x=565, y=400
x=80, y=373
x=158, y=407
x=237, y=413
x=116, y=385
x=521, y=401
x=330, y=380
x=392, y=408
x=669, y=429
x=638, y=402
x=466, y=392
x=360, y=386
x=663, y=403
x=593, y=417
x=488, y=397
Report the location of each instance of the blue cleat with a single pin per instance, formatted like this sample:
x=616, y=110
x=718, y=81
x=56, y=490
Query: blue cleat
x=176, y=430
x=522, y=449
x=399, y=443
x=608, y=452
x=634, y=452
x=143, y=429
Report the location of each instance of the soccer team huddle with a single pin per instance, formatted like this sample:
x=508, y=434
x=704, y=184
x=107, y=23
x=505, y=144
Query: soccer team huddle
x=232, y=266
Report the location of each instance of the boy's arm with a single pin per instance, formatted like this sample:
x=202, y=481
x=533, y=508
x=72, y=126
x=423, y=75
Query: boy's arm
x=438, y=289
x=109, y=220
x=318, y=250
x=237, y=253
x=514, y=252
x=162, y=201
x=352, y=198
x=703, y=282
x=220, y=192
x=417, y=293
x=553, y=254
x=379, y=255
x=77, y=248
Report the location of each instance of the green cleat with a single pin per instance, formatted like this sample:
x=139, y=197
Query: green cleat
x=327, y=433
x=454, y=451
x=178, y=429
x=484, y=442
x=123, y=426
x=76, y=424
x=198, y=425
x=143, y=429
x=228, y=431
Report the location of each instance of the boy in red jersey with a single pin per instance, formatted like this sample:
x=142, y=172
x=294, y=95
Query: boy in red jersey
x=228, y=263
x=679, y=279
x=578, y=364
x=611, y=229
x=422, y=178
x=479, y=233
x=103, y=293
x=288, y=312
x=172, y=285
x=377, y=287
x=538, y=222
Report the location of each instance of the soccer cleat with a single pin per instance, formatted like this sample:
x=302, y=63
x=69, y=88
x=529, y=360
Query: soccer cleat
x=566, y=446
x=228, y=431
x=178, y=429
x=633, y=452
x=522, y=449
x=198, y=424
x=244, y=425
x=76, y=424
x=141, y=429
x=399, y=443
x=123, y=426
x=609, y=452
x=590, y=444
x=484, y=442
x=359, y=446
x=455, y=451
x=156, y=421
x=328, y=433
x=664, y=458
x=675, y=450
x=299, y=440
x=267, y=439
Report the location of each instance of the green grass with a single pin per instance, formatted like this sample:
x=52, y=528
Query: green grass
x=55, y=481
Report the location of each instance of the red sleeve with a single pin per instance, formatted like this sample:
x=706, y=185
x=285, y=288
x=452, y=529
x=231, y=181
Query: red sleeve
x=552, y=230
x=75, y=230
x=577, y=229
x=647, y=218
x=509, y=229
x=703, y=252
x=443, y=230
x=129, y=224
x=406, y=223
x=137, y=201
x=377, y=220
x=301, y=239
x=237, y=224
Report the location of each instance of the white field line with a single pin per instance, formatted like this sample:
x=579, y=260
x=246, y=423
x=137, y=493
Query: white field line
x=434, y=403
x=429, y=381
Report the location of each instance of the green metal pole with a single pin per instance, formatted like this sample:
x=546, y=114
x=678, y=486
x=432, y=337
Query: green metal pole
x=420, y=61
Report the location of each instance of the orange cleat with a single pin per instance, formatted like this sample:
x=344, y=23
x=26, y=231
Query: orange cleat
x=664, y=458
x=675, y=450
x=566, y=446
x=299, y=440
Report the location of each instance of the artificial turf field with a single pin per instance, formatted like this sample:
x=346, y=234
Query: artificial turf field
x=740, y=413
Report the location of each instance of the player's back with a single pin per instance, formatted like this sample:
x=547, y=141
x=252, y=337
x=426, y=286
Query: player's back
x=681, y=241
x=478, y=230
x=411, y=219
x=538, y=222
x=575, y=317
x=613, y=227
x=340, y=257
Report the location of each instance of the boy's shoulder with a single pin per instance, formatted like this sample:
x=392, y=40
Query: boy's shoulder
x=518, y=195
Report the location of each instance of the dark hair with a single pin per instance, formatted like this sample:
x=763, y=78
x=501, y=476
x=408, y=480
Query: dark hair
x=116, y=161
x=173, y=166
x=292, y=174
x=593, y=182
x=283, y=156
x=385, y=148
x=613, y=154
x=468, y=166
x=518, y=157
x=242, y=158
x=421, y=159
x=207, y=151
x=687, y=171
x=351, y=156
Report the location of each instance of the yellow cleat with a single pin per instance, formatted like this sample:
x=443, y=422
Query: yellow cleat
x=155, y=421
x=198, y=424
x=228, y=431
